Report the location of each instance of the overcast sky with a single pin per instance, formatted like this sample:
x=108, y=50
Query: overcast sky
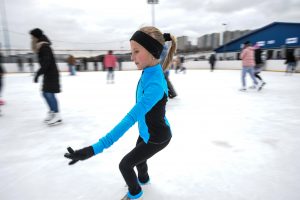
x=108, y=24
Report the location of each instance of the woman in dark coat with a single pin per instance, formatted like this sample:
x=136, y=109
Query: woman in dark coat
x=48, y=68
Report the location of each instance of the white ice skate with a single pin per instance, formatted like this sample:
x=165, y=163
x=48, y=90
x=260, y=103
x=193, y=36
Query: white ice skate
x=49, y=116
x=55, y=120
x=243, y=89
x=260, y=86
x=253, y=87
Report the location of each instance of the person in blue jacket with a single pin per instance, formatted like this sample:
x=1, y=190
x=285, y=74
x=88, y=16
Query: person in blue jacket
x=149, y=111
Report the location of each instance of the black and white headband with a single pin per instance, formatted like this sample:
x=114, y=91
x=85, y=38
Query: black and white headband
x=149, y=43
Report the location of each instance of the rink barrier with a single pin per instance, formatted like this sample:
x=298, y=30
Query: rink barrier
x=271, y=65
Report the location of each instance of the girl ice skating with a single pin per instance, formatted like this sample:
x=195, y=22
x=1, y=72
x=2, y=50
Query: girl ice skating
x=149, y=111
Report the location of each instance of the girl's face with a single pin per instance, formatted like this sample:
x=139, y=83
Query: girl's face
x=140, y=56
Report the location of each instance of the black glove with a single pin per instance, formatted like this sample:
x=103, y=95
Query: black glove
x=81, y=154
x=35, y=79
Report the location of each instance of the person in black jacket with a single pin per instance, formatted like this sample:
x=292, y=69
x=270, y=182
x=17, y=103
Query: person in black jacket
x=1, y=74
x=212, y=61
x=48, y=68
x=259, y=65
x=290, y=62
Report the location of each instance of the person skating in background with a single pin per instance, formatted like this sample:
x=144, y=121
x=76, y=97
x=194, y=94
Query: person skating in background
x=20, y=64
x=48, y=68
x=179, y=65
x=248, y=62
x=71, y=61
x=120, y=61
x=30, y=65
x=110, y=62
x=259, y=65
x=101, y=58
x=149, y=111
x=171, y=91
x=85, y=63
x=290, y=62
x=212, y=61
x=95, y=61
x=1, y=78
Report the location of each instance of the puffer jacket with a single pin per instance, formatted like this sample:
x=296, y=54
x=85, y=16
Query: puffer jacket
x=110, y=61
x=247, y=57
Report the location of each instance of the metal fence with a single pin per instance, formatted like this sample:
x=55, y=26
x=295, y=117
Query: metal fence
x=15, y=55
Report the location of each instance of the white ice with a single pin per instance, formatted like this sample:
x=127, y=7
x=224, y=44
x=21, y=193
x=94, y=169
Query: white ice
x=226, y=145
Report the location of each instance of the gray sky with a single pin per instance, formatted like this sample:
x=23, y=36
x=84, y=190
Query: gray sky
x=99, y=24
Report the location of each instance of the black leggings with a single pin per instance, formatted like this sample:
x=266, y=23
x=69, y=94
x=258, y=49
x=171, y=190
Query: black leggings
x=138, y=157
x=257, y=76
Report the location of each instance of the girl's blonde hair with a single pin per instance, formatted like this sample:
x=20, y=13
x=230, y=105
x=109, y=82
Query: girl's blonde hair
x=157, y=34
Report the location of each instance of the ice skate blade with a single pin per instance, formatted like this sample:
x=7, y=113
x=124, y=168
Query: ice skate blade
x=55, y=123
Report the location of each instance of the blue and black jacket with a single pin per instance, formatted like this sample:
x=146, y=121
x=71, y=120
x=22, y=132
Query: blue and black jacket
x=149, y=111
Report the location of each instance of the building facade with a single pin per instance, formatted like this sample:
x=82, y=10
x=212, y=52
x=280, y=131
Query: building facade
x=182, y=43
x=208, y=41
x=212, y=41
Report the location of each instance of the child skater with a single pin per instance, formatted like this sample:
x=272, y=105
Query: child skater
x=110, y=62
x=149, y=111
x=41, y=46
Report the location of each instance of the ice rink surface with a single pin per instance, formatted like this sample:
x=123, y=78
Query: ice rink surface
x=226, y=145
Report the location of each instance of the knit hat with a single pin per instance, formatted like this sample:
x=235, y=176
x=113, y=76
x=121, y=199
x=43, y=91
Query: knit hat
x=38, y=33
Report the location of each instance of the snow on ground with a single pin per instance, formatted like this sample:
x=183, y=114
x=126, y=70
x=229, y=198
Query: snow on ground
x=226, y=145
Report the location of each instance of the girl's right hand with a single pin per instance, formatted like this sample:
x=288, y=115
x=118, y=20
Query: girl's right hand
x=81, y=154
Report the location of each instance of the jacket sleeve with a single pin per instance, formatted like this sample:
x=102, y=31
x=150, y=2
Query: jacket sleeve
x=242, y=54
x=45, y=60
x=152, y=94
